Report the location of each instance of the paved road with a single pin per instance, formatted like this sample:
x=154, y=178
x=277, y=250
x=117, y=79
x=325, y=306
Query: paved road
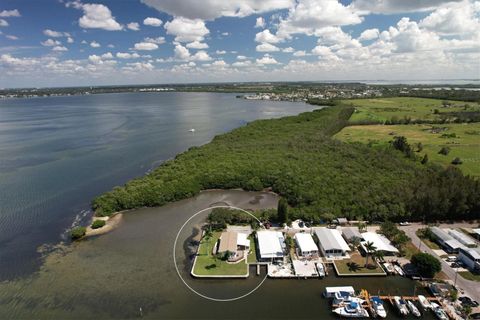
x=471, y=288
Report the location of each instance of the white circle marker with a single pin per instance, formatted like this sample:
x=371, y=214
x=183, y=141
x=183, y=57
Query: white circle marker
x=178, y=271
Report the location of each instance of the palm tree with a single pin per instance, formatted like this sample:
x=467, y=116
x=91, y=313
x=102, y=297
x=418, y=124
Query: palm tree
x=369, y=249
x=378, y=255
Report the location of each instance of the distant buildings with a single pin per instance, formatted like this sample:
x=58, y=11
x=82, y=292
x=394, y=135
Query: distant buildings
x=462, y=238
x=448, y=243
x=470, y=257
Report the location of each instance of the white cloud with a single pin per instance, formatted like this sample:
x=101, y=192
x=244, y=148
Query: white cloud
x=201, y=56
x=212, y=9
x=242, y=64
x=260, y=23
x=55, y=34
x=95, y=44
x=11, y=37
x=266, y=60
x=126, y=55
x=183, y=54
x=454, y=19
x=309, y=15
x=288, y=50
x=369, y=34
x=96, y=16
x=266, y=47
x=266, y=36
x=107, y=55
x=300, y=53
x=187, y=30
x=220, y=52
x=50, y=43
x=139, y=67
x=157, y=40
x=153, y=22
x=197, y=45
x=111, y=46
x=3, y=23
x=241, y=57
x=133, y=26
x=145, y=46
x=225, y=34
x=396, y=6
x=10, y=13
x=59, y=48
x=70, y=40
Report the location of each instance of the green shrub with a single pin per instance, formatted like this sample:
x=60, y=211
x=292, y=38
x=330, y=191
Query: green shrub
x=78, y=232
x=98, y=224
x=457, y=161
x=427, y=265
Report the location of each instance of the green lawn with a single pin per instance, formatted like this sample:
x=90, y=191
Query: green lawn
x=466, y=144
x=432, y=245
x=356, y=265
x=252, y=254
x=470, y=276
x=208, y=265
x=410, y=249
x=383, y=109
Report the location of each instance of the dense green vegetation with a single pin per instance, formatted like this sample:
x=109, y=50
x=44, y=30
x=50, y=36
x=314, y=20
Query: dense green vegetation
x=98, y=224
x=320, y=177
x=426, y=264
x=78, y=232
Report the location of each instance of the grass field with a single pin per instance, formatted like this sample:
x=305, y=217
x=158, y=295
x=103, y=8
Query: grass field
x=207, y=264
x=470, y=276
x=383, y=109
x=356, y=265
x=465, y=144
x=252, y=254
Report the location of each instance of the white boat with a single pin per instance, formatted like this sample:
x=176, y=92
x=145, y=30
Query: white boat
x=399, y=270
x=401, y=305
x=192, y=130
x=341, y=298
x=320, y=269
x=424, y=302
x=378, y=307
x=439, y=313
x=413, y=309
x=352, y=310
x=388, y=266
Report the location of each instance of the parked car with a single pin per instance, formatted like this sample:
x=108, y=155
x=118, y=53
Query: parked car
x=404, y=223
x=475, y=316
x=466, y=301
x=452, y=259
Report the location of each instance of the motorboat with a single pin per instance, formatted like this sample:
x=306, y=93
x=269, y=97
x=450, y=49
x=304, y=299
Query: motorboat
x=341, y=298
x=320, y=269
x=439, y=313
x=377, y=304
x=401, y=305
x=413, y=309
x=399, y=270
x=388, y=266
x=191, y=130
x=424, y=302
x=352, y=310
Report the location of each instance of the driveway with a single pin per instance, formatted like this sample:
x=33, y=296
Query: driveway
x=471, y=288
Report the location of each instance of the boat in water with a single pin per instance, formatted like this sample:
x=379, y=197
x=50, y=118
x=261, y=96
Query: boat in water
x=413, y=309
x=378, y=307
x=424, y=302
x=401, y=305
x=191, y=130
x=399, y=270
x=320, y=269
x=352, y=310
x=342, y=298
x=389, y=268
x=439, y=312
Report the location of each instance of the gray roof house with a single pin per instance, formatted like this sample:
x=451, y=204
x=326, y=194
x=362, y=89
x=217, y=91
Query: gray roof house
x=351, y=233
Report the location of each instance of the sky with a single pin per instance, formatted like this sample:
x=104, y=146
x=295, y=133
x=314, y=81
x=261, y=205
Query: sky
x=69, y=43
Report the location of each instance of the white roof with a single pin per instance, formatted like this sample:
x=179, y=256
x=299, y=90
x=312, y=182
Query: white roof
x=463, y=238
x=348, y=289
x=270, y=244
x=379, y=241
x=477, y=231
x=242, y=240
x=454, y=244
x=473, y=252
x=331, y=239
x=305, y=242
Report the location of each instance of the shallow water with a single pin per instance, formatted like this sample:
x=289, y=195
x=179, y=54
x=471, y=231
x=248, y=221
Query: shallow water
x=116, y=274
x=58, y=153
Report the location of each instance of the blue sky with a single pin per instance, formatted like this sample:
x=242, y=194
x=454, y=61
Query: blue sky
x=55, y=43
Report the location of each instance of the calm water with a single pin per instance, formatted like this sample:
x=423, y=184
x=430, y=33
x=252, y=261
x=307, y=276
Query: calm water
x=114, y=275
x=57, y=153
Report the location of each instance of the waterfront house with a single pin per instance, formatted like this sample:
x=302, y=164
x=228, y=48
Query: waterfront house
x=234, y=243
x=446, y=241
x=380, y=242
x=305, y=244
x=470, y=257
x=351, y=234
x=331, y=243
x=462, y=238
x=271, y=245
